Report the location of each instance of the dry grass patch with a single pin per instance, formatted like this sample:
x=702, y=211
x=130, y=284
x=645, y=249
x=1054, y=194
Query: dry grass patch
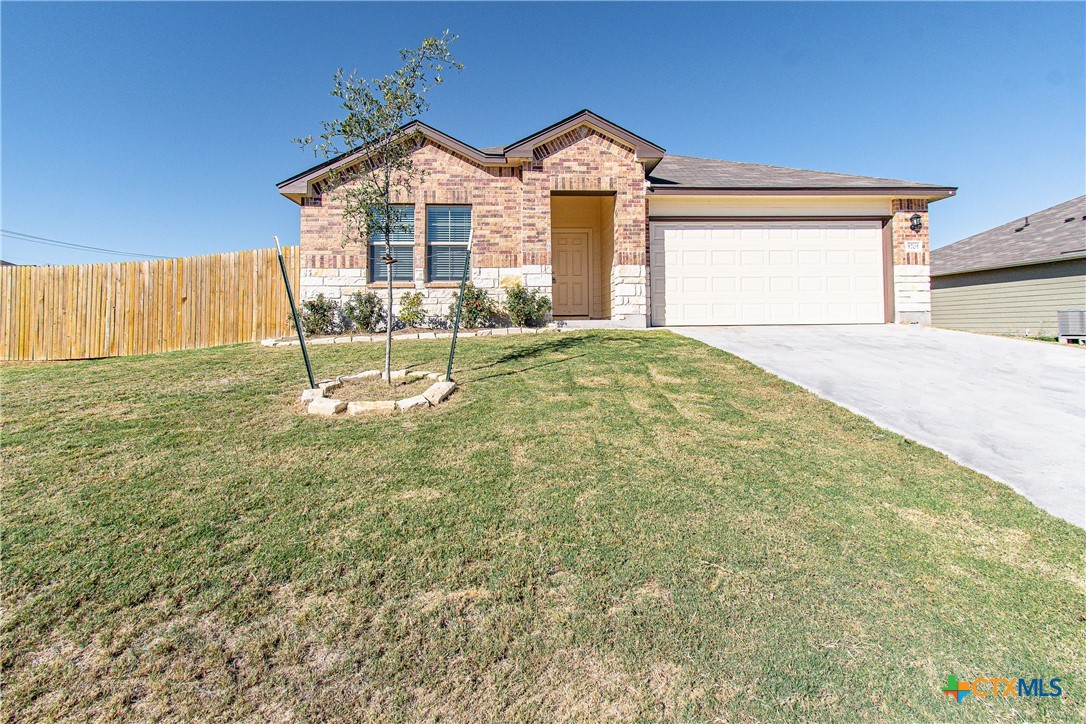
x=378, y=389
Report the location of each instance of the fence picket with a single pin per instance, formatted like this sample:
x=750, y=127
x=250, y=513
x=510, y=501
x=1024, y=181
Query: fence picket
x=126, y=308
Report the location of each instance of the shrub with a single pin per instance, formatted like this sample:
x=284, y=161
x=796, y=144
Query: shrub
x=365, y=311
x=478, y=309
x=525, y=308
x=411, y=312
x=319, y=316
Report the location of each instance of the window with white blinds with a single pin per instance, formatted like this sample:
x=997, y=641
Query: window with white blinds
x=447, y=232
x=403, y=248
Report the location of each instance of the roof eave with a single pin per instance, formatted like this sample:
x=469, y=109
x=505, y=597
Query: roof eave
x=931, y=193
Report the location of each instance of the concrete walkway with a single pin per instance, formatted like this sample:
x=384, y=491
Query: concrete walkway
x=1012, y=409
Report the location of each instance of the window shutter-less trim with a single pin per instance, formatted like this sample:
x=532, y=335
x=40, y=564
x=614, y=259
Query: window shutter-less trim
x=403, y=250
x=447, y=232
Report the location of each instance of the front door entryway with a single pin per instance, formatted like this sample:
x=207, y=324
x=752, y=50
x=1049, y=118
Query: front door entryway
x=570, y=269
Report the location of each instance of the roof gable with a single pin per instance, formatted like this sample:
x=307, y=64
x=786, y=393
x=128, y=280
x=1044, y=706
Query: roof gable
x=525, y=147
x=1057, y=233
x=302, y=183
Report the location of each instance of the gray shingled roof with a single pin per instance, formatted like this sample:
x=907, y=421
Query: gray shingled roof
x=711, y=173
x=1057, y=233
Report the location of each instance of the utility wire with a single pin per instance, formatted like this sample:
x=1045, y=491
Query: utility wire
x=19, y=236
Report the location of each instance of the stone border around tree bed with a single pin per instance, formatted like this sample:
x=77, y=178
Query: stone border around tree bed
x=493, y=332
x=317, y=401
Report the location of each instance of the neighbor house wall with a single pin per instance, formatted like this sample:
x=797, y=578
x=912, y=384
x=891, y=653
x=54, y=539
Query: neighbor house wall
x=1019, y=300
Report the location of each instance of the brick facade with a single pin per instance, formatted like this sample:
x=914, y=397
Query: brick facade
x=912, y=270
x=511, y=221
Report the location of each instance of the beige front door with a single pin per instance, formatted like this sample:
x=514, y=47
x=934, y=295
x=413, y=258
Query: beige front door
x=569, y=251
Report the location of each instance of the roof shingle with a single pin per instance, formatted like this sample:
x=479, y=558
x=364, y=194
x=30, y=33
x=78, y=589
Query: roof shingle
x=689, y=171
x=1055, y=234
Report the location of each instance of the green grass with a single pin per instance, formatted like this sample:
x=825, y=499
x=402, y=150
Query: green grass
x=600, y=525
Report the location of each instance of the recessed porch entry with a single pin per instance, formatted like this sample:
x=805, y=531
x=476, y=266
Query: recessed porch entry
x=582, y=254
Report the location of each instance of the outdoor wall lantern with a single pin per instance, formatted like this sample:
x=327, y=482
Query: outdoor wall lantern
x=915, y=223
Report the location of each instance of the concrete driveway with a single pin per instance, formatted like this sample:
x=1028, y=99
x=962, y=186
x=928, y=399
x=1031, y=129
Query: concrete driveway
x=1014, y=410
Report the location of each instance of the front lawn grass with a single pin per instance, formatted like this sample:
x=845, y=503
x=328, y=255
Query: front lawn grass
x=598, y=525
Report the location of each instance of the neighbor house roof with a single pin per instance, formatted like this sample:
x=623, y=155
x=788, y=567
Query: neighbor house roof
x=688, y=173
x=1056, y=234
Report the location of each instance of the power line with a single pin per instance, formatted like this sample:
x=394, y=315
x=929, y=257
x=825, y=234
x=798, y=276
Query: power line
x=19, y=236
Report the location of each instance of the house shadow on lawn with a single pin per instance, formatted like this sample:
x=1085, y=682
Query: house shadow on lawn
x=530, y=352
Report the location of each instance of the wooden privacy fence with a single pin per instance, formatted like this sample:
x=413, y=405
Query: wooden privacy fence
x=139, y=307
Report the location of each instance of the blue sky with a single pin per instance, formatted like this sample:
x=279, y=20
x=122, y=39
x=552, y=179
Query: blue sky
x=162, y=128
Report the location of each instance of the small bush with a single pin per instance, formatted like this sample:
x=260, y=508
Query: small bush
x=411, y=312
x=319, y=316
x=526, y=308
x=365, y=311
x=478, y=309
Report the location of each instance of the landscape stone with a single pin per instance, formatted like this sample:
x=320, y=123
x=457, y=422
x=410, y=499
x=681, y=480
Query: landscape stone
x=409, y=403
x=326, y=406
x=312, y=394
x=436, y=393
x=368, y=407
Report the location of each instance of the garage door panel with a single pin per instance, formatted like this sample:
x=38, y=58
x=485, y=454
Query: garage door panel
x=867, y=284
x=766, y=273
x=694, y=285
x=728, y=313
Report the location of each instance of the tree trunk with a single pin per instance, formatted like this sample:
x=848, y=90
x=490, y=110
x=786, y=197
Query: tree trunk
x=388, y=313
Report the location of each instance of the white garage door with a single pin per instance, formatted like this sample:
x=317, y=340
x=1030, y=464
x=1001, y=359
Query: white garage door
x=766, y=273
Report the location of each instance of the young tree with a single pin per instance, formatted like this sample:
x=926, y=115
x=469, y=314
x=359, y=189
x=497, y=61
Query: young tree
x=375, y=112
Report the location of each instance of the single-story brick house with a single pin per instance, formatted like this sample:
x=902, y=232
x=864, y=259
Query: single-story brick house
x=612, y=227
x=1013, y=279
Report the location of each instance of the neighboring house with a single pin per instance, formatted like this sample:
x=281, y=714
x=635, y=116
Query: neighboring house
x=611, y=227
x=7, y=263
x=1014, y=278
